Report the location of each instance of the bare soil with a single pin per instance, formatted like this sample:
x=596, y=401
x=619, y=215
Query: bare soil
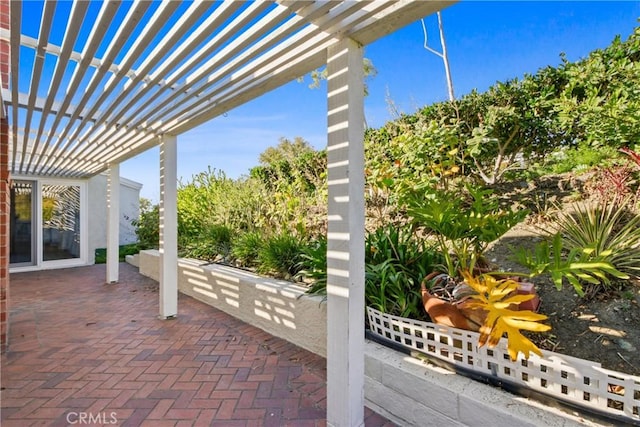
x=604, y=326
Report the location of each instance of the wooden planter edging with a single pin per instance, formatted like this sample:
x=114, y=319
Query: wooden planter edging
x=577, y=382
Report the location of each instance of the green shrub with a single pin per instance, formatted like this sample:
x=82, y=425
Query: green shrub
x=280, y=255
x=579, y=159
x=246, y=247
x=462, y=225
x=550, y=257
x=313, y=266
x=396, y=263
x=123, y=251
x=400, y=245
x=593, y=245
x=212, y=198
x=213, y=243
x=148, y=225
x=606, y=232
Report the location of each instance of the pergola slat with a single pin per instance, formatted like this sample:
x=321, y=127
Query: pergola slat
x=105, y=17
x=271, y=71
x=76, y=17
x=193, y=63
x=166, y=45
x=149, y=32
x=222, y=13
x=268, y=62
x=248, y=15
x=273, y=68
x=272, y=19
x=132, y=19
x=36, y=73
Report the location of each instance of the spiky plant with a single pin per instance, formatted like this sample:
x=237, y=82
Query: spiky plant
x=605, y=233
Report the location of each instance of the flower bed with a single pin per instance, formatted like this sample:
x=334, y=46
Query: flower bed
x=574, y=381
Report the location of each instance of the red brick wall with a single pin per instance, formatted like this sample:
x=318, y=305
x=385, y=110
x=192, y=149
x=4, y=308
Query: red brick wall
x=4, y=234
x=4, y=187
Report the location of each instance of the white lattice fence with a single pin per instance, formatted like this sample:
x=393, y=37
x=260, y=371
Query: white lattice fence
x=578, y=381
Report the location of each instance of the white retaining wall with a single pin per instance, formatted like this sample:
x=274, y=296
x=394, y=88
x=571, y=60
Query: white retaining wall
x=411, y=392
x=276, y=306
x=406, y=390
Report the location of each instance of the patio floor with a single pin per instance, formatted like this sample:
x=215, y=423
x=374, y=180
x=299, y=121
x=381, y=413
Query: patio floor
x=81, y=348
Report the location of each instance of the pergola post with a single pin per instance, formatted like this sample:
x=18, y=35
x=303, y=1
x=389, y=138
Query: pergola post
x=345, y=253
x=168, y=227
x=113, y=223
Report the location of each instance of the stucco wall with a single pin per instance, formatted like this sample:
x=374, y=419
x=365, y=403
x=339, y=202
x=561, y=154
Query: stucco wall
x=97, y=201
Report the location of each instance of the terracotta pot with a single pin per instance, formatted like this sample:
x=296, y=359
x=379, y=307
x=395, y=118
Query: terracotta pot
x=526, y=288
x=459, y=315
x=445, y=313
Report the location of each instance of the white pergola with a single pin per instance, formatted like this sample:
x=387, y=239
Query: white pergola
x=93, y=84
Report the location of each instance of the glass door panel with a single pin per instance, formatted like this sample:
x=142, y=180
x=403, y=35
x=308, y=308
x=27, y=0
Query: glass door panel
x=22, y=223
x=60, y=222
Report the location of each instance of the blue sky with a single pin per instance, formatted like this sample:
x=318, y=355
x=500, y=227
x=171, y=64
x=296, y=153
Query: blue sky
x=486, y=41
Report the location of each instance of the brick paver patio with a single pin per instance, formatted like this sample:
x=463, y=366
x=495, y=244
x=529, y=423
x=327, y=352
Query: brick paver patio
x=82, y=348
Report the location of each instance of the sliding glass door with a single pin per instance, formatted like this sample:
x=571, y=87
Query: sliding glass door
x=22, y=224
x=47, y=225
x=60, y=222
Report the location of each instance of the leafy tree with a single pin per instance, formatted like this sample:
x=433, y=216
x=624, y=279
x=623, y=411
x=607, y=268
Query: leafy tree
x=293, y=179
x=148, y=225
x=595, y=101
x=211, y=198
x=600, y=103
x=285, y=151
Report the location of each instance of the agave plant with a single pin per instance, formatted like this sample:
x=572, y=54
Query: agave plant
x=604, y=233
x=592, y=245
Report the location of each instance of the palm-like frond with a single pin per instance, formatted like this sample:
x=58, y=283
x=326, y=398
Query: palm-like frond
x=496, y=297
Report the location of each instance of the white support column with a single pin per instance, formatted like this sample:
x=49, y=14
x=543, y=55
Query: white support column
x=345, y=255
x=168, y=227
x=113, y=223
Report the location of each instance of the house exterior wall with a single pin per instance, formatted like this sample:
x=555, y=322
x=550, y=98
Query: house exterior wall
x=129, y=210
